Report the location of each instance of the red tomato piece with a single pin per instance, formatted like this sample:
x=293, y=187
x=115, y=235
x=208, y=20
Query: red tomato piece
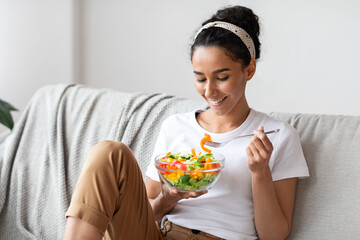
x=181, y=166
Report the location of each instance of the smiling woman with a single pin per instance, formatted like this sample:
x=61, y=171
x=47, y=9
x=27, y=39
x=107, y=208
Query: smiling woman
x=111, y=198
x=221, y=82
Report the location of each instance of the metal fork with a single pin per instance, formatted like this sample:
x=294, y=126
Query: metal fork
x=220, y=144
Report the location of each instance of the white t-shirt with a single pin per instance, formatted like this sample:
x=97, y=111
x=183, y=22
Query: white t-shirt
x=227, y=209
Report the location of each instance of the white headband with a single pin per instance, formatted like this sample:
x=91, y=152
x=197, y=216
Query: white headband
x=241, y=33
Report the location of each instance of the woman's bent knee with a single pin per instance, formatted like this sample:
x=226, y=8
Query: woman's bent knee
x=109, y=154
x=108, y=146
x=107, y=150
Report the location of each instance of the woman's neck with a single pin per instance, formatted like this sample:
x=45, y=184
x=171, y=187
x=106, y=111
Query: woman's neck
x=222, y=124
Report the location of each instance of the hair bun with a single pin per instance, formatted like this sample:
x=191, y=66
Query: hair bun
x=240, y=16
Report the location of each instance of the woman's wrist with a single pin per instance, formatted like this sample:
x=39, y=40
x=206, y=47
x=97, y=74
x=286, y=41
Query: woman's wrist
x=262, y=174
x=162, y=205
x=167, y=200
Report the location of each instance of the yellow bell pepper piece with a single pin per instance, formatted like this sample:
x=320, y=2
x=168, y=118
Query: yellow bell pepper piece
x=172, y=177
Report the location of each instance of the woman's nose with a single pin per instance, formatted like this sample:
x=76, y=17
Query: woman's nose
x=210, y=89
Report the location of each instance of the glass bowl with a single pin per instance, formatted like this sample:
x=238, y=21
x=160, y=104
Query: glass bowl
x=187, y=173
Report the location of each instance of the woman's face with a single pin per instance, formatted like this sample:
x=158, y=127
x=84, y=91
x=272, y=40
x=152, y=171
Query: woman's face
x=220, y=80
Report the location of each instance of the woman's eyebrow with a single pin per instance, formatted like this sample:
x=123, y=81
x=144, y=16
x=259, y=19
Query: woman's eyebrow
x=221, y=70
x=198, y=73
x=216, y=71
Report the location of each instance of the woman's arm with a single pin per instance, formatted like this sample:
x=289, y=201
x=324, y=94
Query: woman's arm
x=163, y=199
x=273, y=201
x=273, y=205
x=153, y=189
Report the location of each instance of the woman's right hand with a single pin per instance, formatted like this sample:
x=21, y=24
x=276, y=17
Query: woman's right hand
x=172, y=196
x=163, y=199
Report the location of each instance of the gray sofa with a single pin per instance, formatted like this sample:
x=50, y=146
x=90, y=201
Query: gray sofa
x=41, y=159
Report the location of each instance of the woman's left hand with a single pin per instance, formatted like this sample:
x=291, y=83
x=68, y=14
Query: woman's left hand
x=259, y=151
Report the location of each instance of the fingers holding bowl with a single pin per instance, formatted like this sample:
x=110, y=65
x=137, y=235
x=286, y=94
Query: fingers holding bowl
x=188, y=194
x=174, y=195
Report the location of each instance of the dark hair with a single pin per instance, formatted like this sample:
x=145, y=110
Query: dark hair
x=214, y=36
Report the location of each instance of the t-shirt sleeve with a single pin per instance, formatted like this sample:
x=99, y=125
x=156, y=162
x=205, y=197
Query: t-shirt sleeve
x=289, y=160
x=160, y=147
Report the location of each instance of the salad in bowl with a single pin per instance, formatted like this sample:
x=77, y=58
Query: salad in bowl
x=190, y=171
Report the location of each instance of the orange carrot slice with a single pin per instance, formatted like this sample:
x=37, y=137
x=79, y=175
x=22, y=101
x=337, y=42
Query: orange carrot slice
x=193, y=152
x=203, y=140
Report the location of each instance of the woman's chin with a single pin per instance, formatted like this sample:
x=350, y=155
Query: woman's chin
x=220, y=112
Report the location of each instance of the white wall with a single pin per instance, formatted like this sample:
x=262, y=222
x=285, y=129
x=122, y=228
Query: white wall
x=36, y=48
x=140, y=45
x=309, y=57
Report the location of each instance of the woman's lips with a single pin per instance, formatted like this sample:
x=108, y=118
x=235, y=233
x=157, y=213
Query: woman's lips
x=217, y=102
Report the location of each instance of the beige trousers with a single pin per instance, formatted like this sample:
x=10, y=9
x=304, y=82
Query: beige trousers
x=110, y=195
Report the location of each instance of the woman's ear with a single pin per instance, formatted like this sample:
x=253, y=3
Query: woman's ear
x=250, y=70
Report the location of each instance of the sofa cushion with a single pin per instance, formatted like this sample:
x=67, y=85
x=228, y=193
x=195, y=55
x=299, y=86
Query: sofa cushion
x=328, y=202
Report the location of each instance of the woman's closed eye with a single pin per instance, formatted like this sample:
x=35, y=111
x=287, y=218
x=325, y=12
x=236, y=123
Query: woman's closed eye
x=223, y=79
x=218, y=78
x=201, y=80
